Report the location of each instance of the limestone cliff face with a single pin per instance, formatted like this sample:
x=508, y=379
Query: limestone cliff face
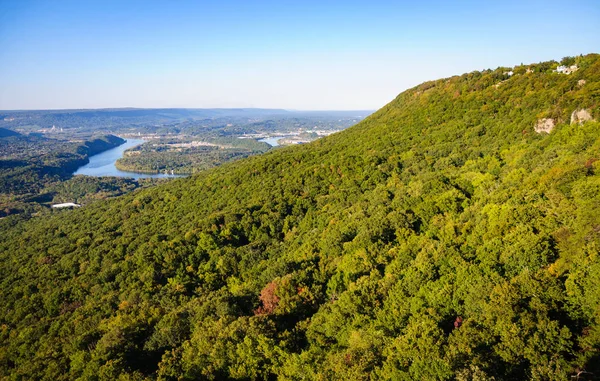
x=545, y=125
x=580, y=116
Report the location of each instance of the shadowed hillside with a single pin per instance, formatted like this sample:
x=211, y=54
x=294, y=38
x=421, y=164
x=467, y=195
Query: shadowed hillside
x=6, y=133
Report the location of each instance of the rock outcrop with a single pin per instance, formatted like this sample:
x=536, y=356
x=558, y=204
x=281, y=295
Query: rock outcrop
x=544, y=125
x=580, y=116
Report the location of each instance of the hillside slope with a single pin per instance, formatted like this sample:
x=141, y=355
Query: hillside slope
x=440, y=238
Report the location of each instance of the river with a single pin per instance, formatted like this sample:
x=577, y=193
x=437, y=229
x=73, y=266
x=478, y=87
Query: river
x=103, y=164
x=272, y=141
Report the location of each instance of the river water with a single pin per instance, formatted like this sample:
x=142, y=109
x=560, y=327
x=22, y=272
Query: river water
x=272, y=141
x=103, y=164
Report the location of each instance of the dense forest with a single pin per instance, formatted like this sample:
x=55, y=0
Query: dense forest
x=452, y=235
x=187, y=156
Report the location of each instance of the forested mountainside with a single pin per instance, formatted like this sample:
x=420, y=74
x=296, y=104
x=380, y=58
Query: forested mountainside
x=442, y=238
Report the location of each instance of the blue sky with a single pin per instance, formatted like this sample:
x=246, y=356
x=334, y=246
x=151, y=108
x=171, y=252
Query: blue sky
x=282, y=54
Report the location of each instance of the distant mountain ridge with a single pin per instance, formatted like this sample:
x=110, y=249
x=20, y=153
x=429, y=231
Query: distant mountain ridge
x=201, y=113
x=107, y=119
x=442, y=238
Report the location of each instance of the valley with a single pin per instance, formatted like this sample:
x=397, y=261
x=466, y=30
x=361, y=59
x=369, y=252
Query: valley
x=41, y=149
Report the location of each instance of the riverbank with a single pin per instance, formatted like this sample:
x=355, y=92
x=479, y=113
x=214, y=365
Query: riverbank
x=104, y=164
x=133, y=169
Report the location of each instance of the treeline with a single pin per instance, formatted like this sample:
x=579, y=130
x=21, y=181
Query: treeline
x=440, y=239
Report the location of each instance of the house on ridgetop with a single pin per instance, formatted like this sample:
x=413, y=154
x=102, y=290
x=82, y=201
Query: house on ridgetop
x=566, y=70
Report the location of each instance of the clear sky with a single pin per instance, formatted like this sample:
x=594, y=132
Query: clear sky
x=281, y=54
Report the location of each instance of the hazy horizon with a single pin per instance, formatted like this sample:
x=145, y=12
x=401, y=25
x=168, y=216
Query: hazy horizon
x=308, y=56
x=184, y=108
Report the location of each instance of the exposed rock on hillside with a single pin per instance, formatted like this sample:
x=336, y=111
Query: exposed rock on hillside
x=544, y=125
x=580, y=116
